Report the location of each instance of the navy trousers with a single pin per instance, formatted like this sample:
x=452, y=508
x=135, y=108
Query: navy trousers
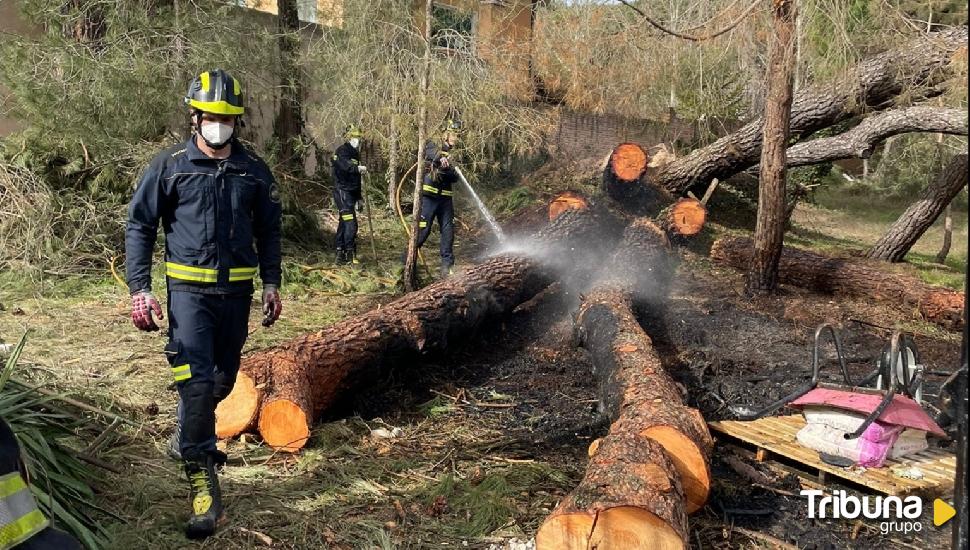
x=346, y=202
x=206, y=335
x=441, y=209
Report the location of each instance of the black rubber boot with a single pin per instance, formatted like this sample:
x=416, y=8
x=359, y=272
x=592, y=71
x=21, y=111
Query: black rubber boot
x=447, y=270
x=342, y=257
x=207, y=510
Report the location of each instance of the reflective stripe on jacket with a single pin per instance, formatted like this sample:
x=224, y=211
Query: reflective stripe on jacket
x=20, y=518
x=216, y=215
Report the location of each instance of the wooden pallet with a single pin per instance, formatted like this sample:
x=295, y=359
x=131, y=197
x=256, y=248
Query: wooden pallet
x=776, y=436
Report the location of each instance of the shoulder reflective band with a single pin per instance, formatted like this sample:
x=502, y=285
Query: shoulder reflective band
x=182, y=372
x=430, y=189
x=19, y=517
x=191, y=273
x=241, y=273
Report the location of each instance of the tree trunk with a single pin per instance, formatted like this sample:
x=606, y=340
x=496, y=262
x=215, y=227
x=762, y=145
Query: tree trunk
x=905, y=231
x=947, y=234
x=411, y=261
x=621, y=176
x=288, y=125
x=850, y=277
x=286, y=387
x=392, y=160
x=860, y=141
x=769, y=230
x=651, y=469
x=873, y=84
x=630, y=499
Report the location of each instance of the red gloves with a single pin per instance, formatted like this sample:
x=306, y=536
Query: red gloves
x=143, y=304
x=272, y=305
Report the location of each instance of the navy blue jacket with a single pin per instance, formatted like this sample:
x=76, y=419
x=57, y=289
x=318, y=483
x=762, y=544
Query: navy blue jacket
x=438, y=181
x=346, y=175
x=213, y=211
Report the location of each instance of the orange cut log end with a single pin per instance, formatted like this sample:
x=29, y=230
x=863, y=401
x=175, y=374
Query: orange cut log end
x=628, y=161
x=567, y=200
x=689, y=460
x=687, y=217
x=284, y=425
x=237, y=412
x=619, y=528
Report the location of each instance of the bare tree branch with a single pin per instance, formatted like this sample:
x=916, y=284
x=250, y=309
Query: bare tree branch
x=863, y=139
x=694, y=38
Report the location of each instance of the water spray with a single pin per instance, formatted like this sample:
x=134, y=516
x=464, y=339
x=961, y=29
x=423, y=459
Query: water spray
x=492, y=222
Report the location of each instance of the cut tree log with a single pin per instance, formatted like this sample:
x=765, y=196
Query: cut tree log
x=285, y=388
x=652, y=468
x=913, y=223
x=630, y=498
x=626, y=165
x=850, y=277
x=873, y=84
x=567, y=200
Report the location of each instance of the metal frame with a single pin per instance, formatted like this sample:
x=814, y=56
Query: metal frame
x=899, y=343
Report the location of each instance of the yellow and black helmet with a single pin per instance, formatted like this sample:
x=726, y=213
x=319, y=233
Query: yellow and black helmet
x=215, y=92
x=353, y=131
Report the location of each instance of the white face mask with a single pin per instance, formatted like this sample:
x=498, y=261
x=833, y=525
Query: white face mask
x=355, y=143
x=216, y=133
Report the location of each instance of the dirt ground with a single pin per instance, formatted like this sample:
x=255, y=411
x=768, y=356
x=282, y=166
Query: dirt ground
x=492, y=434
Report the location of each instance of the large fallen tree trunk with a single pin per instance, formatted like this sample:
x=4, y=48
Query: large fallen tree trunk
x=849, y=277
x=873, y=84
x=860, y=141
x=282, y=390
x=911, y=225
x=652, y=467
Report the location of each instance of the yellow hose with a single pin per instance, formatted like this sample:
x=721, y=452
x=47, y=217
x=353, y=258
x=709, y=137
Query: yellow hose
x=400, y=213
x=114, y=273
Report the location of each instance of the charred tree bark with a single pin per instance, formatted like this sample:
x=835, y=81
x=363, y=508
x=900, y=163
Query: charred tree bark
x=862, y=140
x=285, y=388
x=850, y=277
x=873, y=84
x=624, y=168
x=288, y=125
x=903, y=234
x=651, y=469
x=769, y=233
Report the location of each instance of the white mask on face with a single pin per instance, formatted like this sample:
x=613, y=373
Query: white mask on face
x=216, y=133
x=355, y=143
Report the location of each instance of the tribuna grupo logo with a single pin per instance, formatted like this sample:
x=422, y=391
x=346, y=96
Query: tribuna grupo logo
x=896, y=514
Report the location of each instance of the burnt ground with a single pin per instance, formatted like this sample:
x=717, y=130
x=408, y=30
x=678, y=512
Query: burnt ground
x=526, y=379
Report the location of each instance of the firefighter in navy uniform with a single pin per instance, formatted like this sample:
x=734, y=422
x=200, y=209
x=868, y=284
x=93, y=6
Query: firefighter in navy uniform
x=215, y=200
x=22, y=525
x=436, y=196
x=347, y=171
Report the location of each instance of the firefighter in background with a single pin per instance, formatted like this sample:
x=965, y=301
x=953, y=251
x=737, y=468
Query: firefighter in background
x=347, y=172
x=215, y=200
x=437, y=191
x=22, y=524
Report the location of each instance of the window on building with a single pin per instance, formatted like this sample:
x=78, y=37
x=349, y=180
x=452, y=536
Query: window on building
x=452, y=28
